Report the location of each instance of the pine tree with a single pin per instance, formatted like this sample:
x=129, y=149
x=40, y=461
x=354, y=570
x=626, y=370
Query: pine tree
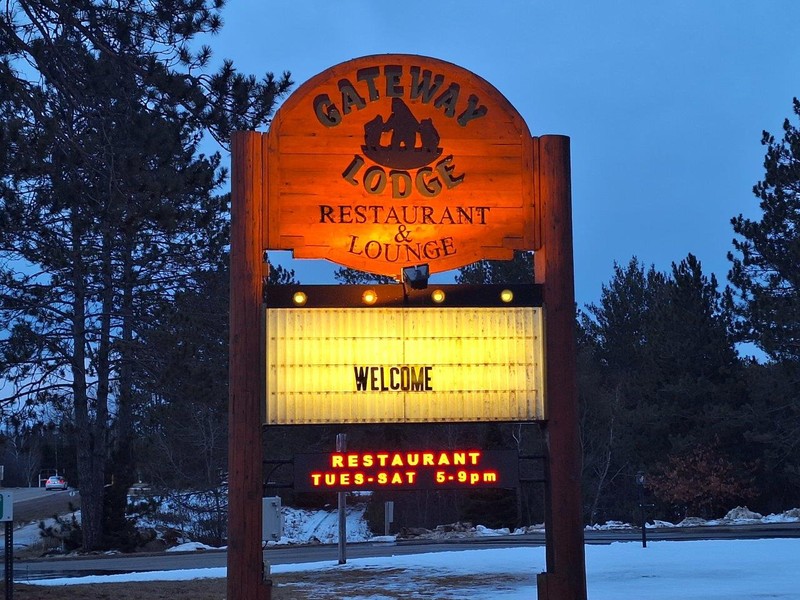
x=349, y=276
x=766, y=262
x=766, y=271
x=660, y=375
x=181, y=368
x=106, y=206
x=517, y=270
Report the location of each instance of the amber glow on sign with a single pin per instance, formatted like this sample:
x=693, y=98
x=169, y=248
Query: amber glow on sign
x=394, y=365
x=389, y=161
x=428, y=469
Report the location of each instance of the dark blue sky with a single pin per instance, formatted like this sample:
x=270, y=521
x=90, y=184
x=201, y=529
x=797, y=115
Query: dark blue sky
x=664, y=102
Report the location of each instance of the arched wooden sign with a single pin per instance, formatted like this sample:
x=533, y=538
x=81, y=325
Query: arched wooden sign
x=395, y=160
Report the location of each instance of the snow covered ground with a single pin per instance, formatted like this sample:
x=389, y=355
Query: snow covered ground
x=690, y=570
x=707, y=570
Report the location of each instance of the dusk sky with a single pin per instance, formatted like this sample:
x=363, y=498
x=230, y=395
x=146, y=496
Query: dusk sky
x=664, y=102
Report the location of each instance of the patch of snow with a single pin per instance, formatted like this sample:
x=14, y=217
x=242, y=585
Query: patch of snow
x=692, y=522
x=656, y=524
x=302, y=526
x=538, y=528
x=742, y=513
x=609, y=525
x=790, y=516
x=191, y=547
x=28, y=535
x=482, y=531
x=383, y=538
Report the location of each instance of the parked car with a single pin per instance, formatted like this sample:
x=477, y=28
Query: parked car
x=55, y=482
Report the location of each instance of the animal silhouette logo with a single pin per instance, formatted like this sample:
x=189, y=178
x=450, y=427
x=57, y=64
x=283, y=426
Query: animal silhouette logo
x=412, y=143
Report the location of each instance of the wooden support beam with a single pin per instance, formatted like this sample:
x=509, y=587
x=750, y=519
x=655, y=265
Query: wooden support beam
x=565, y=578
x=245, y=559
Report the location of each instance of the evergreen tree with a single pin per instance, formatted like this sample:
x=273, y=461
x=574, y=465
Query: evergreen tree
x=106, y=206
x=667, y=376
x=349, y=276
x=182, y=371
x=772, y=421
x=613, y=384
x=766, y=271
x=619, y=323
x=766, y=262
x=517, y=270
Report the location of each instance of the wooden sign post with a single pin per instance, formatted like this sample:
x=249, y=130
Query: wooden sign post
x=565, y=577
x=379, y=164
x=246, y=579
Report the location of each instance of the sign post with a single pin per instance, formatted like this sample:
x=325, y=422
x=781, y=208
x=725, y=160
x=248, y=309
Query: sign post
x=341, y=498
x=7, y=518
x=245, y=579
x=388, y=516
x=391, y=164
x=565, y=577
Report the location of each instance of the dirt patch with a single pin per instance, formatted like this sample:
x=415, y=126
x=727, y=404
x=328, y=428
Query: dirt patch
x=198, y=589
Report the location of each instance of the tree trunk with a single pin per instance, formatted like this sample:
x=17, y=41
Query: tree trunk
x=90, y=470
x=122, y=467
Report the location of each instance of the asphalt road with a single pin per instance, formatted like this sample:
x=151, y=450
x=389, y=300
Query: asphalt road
x=277, y=555
x=33, y=504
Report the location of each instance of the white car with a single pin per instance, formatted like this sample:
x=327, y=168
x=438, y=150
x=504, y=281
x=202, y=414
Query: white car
x=55, y=482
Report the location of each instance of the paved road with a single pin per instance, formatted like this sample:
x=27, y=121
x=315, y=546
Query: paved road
x=94, y=565
x=33, y=504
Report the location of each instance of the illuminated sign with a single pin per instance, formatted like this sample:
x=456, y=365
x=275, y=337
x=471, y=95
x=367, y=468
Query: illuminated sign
x=396, y=160
x=403, y=364
x=433, y=469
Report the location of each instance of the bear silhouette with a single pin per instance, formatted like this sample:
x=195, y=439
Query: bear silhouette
x=403, y=125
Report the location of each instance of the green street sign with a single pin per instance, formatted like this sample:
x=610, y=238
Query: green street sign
x=6, y=506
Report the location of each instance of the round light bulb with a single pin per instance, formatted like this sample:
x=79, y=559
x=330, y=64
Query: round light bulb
x=506, y=296
x=438, y=296
x=299, y=298
x=369, y=297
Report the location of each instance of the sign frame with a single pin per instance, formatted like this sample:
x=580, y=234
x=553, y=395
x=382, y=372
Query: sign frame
x=482, y=356
x=551, y=234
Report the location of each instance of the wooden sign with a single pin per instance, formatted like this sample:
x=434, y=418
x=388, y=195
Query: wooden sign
x=395, y=160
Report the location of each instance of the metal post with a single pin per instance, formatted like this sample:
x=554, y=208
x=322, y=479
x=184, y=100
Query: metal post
x=341, y=446
x=640, y=485
x=9, y=560
x=388, y=516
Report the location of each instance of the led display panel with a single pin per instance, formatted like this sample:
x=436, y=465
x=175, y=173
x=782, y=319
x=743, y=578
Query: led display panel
x=406, y=470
